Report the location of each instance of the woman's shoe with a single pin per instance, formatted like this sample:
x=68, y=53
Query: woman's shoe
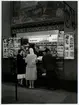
x=30, y=87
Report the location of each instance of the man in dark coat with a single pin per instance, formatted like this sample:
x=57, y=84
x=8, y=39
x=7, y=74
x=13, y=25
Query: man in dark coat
x=49, y=64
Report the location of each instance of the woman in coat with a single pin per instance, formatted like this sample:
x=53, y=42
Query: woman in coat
x=31, y=72
x=21, y=65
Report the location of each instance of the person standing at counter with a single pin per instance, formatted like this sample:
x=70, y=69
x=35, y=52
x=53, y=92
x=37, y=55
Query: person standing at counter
x=49, y=64
x=21, y=65
x=37, y=51
x=31, y=71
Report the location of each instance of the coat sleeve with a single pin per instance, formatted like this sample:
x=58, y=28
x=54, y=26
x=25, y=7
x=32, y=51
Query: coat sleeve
x=26, y=59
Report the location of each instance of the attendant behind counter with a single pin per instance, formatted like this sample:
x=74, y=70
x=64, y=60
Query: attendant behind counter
x=37, y=51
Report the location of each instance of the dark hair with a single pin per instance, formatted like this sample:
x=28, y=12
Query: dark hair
x=19, y=51
x=47, y=50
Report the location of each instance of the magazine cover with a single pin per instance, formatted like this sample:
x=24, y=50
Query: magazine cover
x=5, y=48
x=60, y=44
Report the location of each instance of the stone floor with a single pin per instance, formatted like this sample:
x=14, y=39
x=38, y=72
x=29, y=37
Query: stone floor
x=36, y=96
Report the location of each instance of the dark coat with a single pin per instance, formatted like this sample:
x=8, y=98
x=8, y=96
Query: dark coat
x=21, y=65
x=49, y=62
x=38, y=53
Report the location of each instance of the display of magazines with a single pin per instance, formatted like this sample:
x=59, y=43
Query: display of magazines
x=16, y=52
x=60, y=44
x=50, y=45
x=5, y=48
x=54, y=49
x=10, y=43
x=5, y=53
x=17, y=45
x=17, y=42
x=69, y=46
x=11, y=47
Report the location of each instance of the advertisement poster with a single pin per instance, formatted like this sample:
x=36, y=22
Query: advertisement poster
x=60, y=44
x=69, y=46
